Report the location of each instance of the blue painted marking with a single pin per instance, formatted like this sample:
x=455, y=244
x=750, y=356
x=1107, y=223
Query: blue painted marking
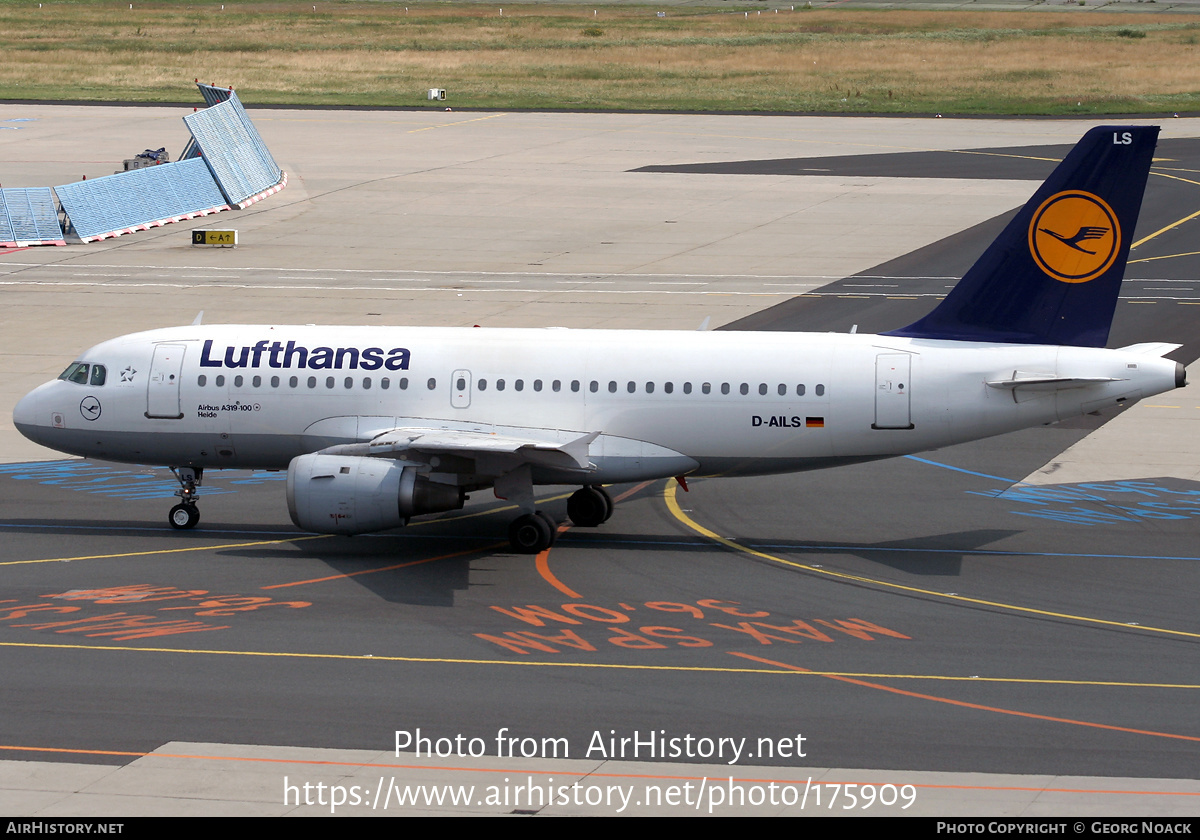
x=960, y=469
x=1150, y=501
x=1098, y=493
x=128, y=484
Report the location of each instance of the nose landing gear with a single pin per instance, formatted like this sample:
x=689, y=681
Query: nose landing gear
x=186, y=514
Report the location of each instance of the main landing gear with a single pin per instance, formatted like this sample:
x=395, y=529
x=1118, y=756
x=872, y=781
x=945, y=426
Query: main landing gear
x=533, y=533
x=186, y=514
x=589, y=506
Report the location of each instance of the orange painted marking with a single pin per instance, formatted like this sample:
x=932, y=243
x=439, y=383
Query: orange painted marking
x=543, y=566
x=967, y=705
x=543, y=559
x=631, y=491
x=387, y=568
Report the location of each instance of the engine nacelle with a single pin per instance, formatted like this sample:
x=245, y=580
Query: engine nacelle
x=345, y=494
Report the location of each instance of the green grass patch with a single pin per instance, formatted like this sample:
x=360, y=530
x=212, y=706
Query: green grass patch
x=624, y=57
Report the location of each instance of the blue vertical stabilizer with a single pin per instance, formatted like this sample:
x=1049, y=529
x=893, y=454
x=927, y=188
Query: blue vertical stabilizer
x=1053, y=275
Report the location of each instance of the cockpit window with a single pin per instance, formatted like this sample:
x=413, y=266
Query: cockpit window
x=81, y=373
x=76, y=372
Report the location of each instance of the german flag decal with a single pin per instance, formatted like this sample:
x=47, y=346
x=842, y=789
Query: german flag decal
x=814, y=422
x=1074, y=236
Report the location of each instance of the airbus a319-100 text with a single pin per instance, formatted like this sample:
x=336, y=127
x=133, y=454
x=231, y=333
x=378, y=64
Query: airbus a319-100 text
x=375, y=425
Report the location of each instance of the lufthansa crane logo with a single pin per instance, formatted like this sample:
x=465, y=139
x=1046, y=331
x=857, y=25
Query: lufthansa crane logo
x=1074, y=236
x=90, y=408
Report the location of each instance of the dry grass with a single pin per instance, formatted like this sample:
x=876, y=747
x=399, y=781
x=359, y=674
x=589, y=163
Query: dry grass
x=564, y=57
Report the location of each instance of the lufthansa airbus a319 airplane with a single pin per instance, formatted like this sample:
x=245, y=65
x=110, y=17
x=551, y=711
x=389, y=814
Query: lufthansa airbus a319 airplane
x=378, y=424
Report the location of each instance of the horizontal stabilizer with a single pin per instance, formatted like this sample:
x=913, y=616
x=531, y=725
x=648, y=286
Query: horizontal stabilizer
x=1151, y=348
x=1047, y=382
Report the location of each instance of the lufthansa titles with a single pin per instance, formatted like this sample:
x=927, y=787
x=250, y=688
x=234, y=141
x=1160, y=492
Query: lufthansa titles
x=274, y=354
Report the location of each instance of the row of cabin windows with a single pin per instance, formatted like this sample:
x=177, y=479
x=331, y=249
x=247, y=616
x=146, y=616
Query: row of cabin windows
x=239, y=381
x=648, y=387
x=556, y=386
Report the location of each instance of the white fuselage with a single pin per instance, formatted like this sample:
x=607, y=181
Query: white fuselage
x=663, y=403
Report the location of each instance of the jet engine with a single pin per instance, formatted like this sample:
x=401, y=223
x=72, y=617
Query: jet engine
x=345, y=494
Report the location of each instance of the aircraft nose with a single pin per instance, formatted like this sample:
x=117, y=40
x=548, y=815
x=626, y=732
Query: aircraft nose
x=28, y=415
x=24, y=412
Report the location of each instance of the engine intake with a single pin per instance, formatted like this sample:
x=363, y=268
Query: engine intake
x=345, y=494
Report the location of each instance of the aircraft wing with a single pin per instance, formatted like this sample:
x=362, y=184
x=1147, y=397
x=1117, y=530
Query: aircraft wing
x=491, y=453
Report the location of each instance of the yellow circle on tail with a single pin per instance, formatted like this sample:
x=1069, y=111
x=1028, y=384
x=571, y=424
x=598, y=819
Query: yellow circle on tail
x=1074, y=236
